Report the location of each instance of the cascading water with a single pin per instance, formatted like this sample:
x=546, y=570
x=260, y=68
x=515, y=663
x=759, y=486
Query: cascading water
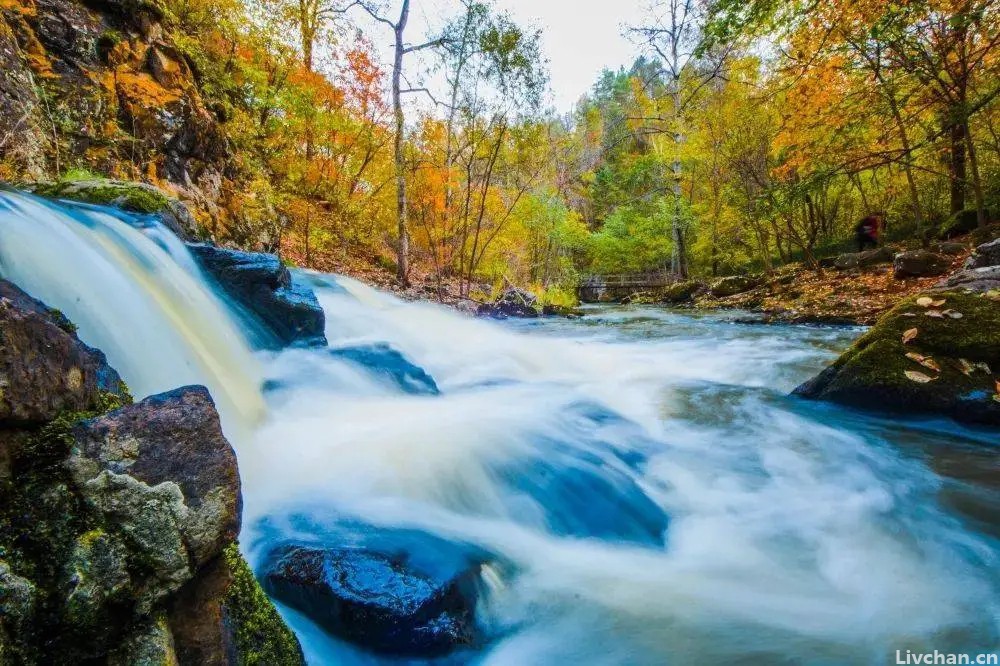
x=652, y=494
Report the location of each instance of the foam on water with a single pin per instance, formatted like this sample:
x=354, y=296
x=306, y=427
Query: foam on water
x=653, y=495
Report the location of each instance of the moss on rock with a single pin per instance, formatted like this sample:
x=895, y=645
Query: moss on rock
x=134, y=197
x=261, y=636
x=960, y=356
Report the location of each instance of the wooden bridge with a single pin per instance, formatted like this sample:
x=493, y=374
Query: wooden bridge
x=613, y=288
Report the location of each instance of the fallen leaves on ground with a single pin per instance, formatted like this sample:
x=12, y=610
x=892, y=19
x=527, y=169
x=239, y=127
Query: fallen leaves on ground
x=925, y=361
x=918, y=377
x=910, y=335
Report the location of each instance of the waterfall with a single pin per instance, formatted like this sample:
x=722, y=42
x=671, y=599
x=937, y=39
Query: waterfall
x=648, y=490
x=135, y=293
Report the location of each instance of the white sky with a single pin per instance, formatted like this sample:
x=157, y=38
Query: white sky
x=579, y=37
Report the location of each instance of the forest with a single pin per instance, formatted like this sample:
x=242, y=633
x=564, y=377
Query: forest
x=748, y=135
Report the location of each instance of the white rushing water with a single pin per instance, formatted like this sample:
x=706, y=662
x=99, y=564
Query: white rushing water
x=655, y=496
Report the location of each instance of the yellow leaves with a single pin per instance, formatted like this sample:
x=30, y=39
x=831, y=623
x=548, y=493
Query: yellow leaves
x=968, y=369
x=910, y=335
x=927, y=302
x=918, y=377
x=925, y=361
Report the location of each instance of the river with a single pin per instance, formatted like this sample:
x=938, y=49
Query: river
x=653, y=493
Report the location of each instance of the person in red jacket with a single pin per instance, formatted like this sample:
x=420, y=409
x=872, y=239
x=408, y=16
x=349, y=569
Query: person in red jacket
x=868, y=230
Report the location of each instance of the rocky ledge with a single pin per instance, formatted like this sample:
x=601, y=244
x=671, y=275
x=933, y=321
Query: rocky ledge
x=117, y=520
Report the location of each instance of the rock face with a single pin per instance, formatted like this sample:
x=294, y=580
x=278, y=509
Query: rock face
x=957, y=360
x=376, y=595
x=736, y=284
x=116, y=519
x=882, y=255
x=44, y=368
x=511, y=303
x=126, y=98
x=384, y=361
x=920, y=263
x=260, y=283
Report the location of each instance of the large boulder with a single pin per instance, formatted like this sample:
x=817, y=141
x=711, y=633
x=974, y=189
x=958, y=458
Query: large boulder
x=920, y=263
x=985, y=255
x=936, y=359
x=401, y=592
x=882, y=255
x=111, y=519
x=733, y=285
x=169, y=450
x=44, y=368
x=289, y=312
x=513, y=302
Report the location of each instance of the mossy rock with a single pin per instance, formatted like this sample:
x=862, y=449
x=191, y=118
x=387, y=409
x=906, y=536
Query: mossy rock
x=262, y=638
x=873, y=374
x=733, y=285
x=129, y=196
x=960, y=223
x=133, y=197
x=681, y=292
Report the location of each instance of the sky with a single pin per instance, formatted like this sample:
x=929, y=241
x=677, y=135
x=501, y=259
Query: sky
x=580, y=38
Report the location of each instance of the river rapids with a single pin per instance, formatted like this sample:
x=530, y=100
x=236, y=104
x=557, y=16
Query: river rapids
x=654, y=494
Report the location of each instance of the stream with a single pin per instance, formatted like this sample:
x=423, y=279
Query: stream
x=647, y=488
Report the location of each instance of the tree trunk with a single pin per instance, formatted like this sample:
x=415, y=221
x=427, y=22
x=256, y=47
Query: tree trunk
x=678, y=263
x=403, y=239
x=957, y=170
x=977, y=183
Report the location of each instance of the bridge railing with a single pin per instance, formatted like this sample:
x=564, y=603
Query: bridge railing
x=628, y=280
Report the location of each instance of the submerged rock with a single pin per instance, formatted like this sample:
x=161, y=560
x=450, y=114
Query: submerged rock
x=920, y=263
x=262, y=285
x=570, y=492
x=385, y=362
x=44, y=368
x=922, y=360
x=400, y=592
